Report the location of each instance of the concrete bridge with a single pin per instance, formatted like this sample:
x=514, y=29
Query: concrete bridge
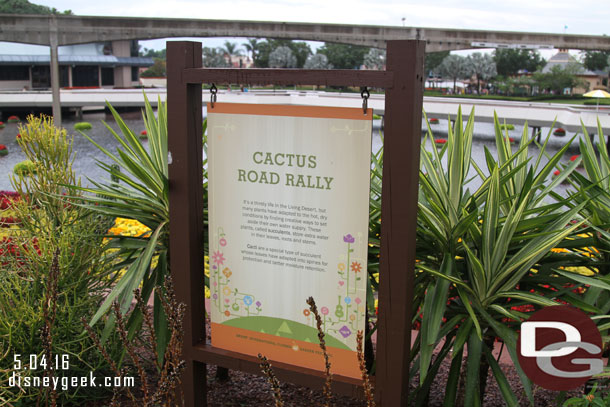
x=67, y=30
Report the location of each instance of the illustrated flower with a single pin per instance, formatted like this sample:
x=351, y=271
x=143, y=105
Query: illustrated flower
x=218, y=257
x=358, y=300
x=223, y=242
x=341, y=266
x=227, y=314
x=347, y=300
x=352, y=317
x=248, y=300
x=215, y=296
x=226, y=290
x=348, y=238
x=356, y=267
x=258, y=304
x=324, y=310
x=306, y=312
x=227, y=272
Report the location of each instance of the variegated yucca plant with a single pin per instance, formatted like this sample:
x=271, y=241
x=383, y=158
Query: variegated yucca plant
x=480, y=247
x=137, y=188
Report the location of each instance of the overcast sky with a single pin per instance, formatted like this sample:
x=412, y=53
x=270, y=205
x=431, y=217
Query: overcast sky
x=552, y=16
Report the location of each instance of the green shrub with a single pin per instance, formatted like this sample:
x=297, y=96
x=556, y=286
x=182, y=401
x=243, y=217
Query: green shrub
x=595, y=102
x=506, y=126
x=83, y=126
x=24, y=168
x=53, y=276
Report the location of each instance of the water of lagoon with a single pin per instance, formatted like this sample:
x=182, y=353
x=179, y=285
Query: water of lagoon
x=86, y=153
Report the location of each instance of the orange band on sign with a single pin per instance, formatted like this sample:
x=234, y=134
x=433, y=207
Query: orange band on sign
x=343, y=362
x=325, y=112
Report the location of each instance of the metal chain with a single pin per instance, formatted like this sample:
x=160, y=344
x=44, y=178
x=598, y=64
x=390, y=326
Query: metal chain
x=213, y=91
x=365, y=98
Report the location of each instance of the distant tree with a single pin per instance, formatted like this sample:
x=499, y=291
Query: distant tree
x=214, y=58
x=282, y=57
x=433, y=60
x=231, y=48
x=301, y=50
x=511, y=61
x=252, y=47
x=155, y=71
x=560, y=78
x=375, y=59
x=343, y=56
x=482, y=66
x=596, y=60
x=454, y=67
x=317, y=61
x=151, y=53
x=25, y=7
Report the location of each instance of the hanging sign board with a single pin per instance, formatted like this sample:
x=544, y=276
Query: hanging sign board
x=288, y=211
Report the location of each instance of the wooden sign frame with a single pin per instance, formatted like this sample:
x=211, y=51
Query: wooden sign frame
x=403, y=84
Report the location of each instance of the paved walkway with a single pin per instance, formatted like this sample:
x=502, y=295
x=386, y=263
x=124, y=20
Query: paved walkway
x=535, y=113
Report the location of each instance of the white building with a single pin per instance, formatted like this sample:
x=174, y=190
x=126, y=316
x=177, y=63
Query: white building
x=113, y=64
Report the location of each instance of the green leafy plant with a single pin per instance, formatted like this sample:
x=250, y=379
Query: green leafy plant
x=52, y=273
x=593, y=399
x=506, y=126
x=480, y=246
x=142, y=194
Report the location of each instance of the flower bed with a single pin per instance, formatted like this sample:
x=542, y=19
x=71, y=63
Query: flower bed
x=433, y=120
x=559, y=132
x=3, y=150
x=2, y=125
x=12, y=119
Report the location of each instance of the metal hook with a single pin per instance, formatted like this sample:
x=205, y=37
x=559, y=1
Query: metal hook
x=365, y=94
x=213, y=91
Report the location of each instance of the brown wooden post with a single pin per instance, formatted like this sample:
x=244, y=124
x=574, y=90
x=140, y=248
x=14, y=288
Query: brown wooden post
x=186, y=203
x=403, y=113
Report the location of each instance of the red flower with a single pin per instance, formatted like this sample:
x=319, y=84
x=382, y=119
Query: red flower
x=2, y=147
x=440, y=141
x=510, y=139
x=143, y=133
x=556, y=172
x=574, y=157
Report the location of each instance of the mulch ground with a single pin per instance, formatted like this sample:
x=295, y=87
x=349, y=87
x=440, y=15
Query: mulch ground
x=243, y=389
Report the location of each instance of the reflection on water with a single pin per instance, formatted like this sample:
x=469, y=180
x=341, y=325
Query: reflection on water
x=87, y=154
